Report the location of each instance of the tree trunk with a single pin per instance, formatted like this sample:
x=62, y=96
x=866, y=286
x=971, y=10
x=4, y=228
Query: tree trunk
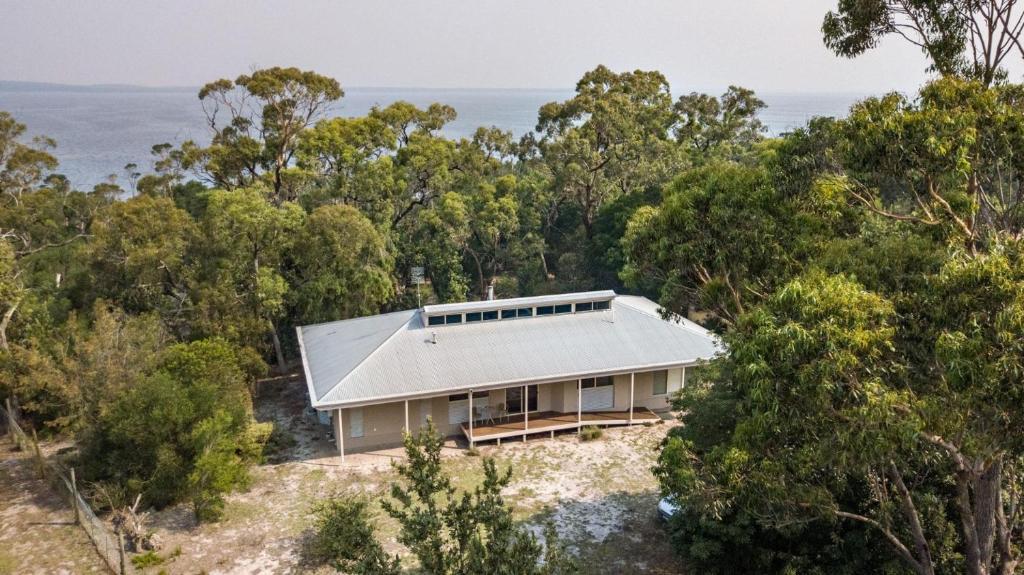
x=281, y=368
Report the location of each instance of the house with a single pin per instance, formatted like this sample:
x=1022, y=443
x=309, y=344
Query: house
x=520, y=366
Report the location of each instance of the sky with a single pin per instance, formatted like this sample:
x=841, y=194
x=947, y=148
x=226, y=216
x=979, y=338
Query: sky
x=766, y=45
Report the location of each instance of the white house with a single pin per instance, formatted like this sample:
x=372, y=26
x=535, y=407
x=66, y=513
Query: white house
x=521, y=366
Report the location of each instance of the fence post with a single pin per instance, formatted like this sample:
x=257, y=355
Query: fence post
x=120, y=551
x=74, y=498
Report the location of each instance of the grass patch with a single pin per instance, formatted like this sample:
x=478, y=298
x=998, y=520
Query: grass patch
x=147, y=559
x=6, y=564
x=590, y=433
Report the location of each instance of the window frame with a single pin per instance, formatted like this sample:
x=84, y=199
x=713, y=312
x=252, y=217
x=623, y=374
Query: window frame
x=654, y=382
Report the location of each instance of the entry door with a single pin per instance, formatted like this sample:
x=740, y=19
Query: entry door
x=597, y=394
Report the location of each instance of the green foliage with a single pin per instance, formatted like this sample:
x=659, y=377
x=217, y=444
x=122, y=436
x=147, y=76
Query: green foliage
x=147, y=559
x=181, y=431
x=590, y=433
x=344, y=539
x=342, y=265
x=467, y=533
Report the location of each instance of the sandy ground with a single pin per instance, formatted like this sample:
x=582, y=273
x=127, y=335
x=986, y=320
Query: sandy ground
x=600, y=495
x=37, y=530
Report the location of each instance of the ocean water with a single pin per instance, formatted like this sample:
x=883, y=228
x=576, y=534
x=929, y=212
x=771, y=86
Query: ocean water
x=98, y=132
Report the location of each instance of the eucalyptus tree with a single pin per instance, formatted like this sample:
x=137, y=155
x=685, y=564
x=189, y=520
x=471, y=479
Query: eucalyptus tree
x=611, y=138
x=240, y=289
x=266, y=112
x=139, y=258
x=971, y=38
x=341, y=266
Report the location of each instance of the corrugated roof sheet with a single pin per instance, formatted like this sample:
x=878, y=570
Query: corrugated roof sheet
x=392, y=356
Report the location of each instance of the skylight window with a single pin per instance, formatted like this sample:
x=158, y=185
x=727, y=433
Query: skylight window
x=517, y=308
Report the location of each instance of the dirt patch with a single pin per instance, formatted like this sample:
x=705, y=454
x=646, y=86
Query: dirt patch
x=37, y=529
x=600, y=495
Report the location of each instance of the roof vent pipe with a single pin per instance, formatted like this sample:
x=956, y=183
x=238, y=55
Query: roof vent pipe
x=490, y=291
x=433, y=337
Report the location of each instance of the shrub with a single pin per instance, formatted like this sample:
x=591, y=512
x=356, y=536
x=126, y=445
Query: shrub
x=590, y=433
x=147, y=559
x=343, y=538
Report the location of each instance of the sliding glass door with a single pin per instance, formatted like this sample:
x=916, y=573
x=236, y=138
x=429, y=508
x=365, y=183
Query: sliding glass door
x=514, y=399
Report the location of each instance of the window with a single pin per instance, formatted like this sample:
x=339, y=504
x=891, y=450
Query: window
x=435, y=320
x=490, y=315
x=524, y=312
x=545, y=310
x=660, y=383
x=585, y=306
x=563, y=308
x=602, y=304
x=473, y=316
x=508, y=313
x=596, y=381
x=465, y=396
x=514, y=399
x=454, y=318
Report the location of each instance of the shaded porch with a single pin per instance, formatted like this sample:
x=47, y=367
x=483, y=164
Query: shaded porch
x=551, y=421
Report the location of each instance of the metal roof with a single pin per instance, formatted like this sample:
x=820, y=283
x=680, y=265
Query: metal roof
x=392, y=356
x=485, y=305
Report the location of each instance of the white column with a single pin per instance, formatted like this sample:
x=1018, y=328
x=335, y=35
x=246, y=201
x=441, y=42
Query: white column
x=632, y=378
x=407, y=430
x=339, y=434
x=526, y=413
x=471, y=419
x=683, y=383
x=579, y=404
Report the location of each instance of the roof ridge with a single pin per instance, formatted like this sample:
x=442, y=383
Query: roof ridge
x=380, y=346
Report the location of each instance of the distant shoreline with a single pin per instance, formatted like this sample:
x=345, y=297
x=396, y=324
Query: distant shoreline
x=28, y=87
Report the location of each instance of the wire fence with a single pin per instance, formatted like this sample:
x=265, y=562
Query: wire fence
x=109, y=545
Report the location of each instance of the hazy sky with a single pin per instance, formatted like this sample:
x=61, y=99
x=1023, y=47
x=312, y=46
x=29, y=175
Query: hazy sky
x=767, y=45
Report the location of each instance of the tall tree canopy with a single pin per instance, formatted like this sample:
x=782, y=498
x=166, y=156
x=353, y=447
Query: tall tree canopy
x=971, y=38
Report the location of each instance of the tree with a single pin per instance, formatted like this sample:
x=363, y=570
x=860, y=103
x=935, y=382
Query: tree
x=22, y=167
x=342, y=266
x=706, y=123
x=182, y=431
x=344, y=538
x=971, y=38
x=139, y=256
x=471, y=533
x=242, y=291
x=724, y=237
x=267, y=112
x=951, y=161
x=610, y=139
x=832, y=389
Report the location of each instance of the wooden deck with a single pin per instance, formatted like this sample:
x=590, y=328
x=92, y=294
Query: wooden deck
x=551, y=421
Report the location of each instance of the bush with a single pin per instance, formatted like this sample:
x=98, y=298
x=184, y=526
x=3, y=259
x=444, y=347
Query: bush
x=590, y=433
x=184, y=432
x=343, y=538
x=147, y=559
